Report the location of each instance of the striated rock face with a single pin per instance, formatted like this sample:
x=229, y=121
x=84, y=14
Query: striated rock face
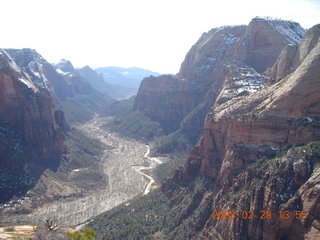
x=264, y=39
x=282, y=115
x=293, y=55
x=41, y=71
x=31, y=126
x=211, y=65
x=249, y=156
x=169, y=99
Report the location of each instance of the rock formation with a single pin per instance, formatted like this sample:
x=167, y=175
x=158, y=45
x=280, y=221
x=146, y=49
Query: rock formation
x=182, y=101
x=31, y=125
x=261, y=153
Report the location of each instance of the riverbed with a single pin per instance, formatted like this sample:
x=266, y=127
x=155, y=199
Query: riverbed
x=127, y=166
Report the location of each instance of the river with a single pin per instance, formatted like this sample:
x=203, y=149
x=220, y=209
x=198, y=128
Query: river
x=127, y=167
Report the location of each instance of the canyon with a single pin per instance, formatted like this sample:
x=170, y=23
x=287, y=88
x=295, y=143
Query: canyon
x=259, y=144
x=67, y=170
x=124, y=162
x=246, y=97
x=182, y=101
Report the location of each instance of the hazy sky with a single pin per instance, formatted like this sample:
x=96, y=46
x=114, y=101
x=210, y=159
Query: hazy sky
x=152, y=34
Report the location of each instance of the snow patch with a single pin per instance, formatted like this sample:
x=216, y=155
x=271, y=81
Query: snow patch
x=27, y=83
x=291, y=30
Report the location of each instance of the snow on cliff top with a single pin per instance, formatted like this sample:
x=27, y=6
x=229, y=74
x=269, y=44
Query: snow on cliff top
x=291, y=30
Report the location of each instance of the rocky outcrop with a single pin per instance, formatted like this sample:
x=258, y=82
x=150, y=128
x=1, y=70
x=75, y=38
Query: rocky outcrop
x=210, y=66
x=264, y=39
x=248, y=153
x=31, y=125
x=284, y=185
x=168, y=99
x=293, y=55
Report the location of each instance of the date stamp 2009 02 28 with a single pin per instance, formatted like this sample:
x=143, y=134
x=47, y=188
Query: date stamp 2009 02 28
x=265, y=215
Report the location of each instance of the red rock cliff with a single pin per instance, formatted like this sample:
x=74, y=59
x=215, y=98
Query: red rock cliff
x=242, y=136
x=31, y=126
x=188, y=96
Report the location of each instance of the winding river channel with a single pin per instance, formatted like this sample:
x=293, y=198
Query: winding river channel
x=127, y=167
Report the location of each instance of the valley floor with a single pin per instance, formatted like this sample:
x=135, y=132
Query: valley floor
x=128, y=172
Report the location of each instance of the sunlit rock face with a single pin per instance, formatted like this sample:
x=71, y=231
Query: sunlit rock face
x=182, y=101
x=261, y=151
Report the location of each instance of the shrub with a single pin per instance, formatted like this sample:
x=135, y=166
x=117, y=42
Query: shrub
x=87, y=234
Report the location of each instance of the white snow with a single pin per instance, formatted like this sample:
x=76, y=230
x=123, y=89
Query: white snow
x=27, y=83
x=275, y=149
x=61, y=72
x=309, y=120
x=245, y=81
x=291, y=30
x=35, y=69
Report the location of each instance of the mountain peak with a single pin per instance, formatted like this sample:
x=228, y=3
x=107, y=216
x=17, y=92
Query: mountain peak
x=290, y=29
x=65, y=66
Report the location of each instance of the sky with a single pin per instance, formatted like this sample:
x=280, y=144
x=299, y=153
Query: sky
x=151, y=34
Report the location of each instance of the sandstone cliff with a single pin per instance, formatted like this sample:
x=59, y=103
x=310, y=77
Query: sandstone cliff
x=182, y=101
x=29, y=114
x=250, y=157
x=72, y=91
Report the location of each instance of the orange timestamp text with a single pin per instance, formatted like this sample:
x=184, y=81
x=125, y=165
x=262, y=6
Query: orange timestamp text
x=264, y=215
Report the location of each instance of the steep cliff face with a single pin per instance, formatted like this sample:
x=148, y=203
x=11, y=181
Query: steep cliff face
x=41, y=71
x=168, y=99
x=31, y=125
x=209, y=66
x=292, y=55
x=72, y=91
x=264, y=39
x=244, y=154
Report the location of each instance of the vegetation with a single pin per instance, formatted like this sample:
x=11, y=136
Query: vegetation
x=135, y=124
x=177, y=142
x=157, y=214
x=81, y=108
x=86, y=234
x=166, y=169
x=121, y=107
x=82, y=149
x=181, y=211
x=83, y=154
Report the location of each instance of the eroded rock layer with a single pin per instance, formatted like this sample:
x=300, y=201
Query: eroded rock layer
x=261, y=153
x=31, y=125
x=182, y=101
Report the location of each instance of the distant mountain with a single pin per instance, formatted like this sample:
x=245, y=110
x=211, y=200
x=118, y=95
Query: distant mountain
x=81, y=100
x=98, y=83
x=128, y=77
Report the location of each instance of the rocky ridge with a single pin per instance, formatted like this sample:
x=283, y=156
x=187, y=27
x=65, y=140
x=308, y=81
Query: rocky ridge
x=240, y=155
x=182, y=101
x=258, y=155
